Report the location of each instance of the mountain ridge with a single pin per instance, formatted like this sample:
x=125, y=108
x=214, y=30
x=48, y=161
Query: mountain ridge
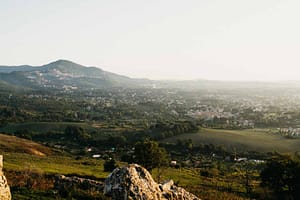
x=64, y=74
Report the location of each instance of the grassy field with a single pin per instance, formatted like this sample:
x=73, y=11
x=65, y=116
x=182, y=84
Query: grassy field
x=54, y=164
x=20, y=154
x=190, y=179
x=207, y=188
x=21, y=168
x=262, y=140
x=18, y=145
x=28, y=162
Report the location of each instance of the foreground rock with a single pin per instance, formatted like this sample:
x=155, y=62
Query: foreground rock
x=4, y=188
x=135, y=183
x=64, y=183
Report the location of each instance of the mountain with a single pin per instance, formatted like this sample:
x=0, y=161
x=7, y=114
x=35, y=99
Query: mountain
x=8, y=69
x=63, y=74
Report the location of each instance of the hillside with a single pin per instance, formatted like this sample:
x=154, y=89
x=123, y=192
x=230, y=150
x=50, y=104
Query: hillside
x=63, y=75
x=18, y=145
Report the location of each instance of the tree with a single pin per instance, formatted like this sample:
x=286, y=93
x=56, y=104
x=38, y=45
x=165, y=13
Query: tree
x=150, y=155
x=282, y=175
x=76, y=133
x=117, y=140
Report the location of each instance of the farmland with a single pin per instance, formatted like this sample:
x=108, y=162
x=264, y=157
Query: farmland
x=263, y=140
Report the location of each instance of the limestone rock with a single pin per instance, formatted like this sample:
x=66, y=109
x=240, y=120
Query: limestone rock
x=136, y=183
x=4, y=188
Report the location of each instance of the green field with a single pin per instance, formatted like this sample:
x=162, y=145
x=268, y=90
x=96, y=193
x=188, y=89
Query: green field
x=21, y=168
x=54, y=164
x=27, y=162
x=262, y=140
x=20, y=154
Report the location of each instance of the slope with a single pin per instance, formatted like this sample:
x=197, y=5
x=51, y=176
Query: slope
x=64, y=75
x=18, y=145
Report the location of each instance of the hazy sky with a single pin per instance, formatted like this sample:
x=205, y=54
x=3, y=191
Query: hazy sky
x=158, y=39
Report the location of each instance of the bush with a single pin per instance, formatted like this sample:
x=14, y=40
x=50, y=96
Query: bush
x=110, y=165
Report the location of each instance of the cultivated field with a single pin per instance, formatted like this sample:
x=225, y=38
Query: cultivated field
x=263, y=140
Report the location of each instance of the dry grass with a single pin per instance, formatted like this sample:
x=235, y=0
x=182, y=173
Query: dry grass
x=14, y=144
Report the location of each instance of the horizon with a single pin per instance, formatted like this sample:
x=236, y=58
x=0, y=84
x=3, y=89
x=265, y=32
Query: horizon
x=170, y=40
x=198, y=79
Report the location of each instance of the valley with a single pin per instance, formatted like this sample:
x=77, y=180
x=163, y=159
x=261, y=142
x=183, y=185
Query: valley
x=66, y=119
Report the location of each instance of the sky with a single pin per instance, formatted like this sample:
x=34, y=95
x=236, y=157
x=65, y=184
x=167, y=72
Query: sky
x=157, y=39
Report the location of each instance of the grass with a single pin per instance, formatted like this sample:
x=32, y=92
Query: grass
x=187, y=178
x=55, y=164
x=216, y=187
x=29, y=162
x=15, y=144
x=25, y=194
x=262, y=140
x=21, y=153
x=17, y=159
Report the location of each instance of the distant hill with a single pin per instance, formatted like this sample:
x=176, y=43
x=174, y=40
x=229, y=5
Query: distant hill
x=67, y=75
x=63, y=74
x=18, y=145
x=9, y=69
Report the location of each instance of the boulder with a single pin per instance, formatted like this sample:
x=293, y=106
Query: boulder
x=4, y=188
x=134, y=182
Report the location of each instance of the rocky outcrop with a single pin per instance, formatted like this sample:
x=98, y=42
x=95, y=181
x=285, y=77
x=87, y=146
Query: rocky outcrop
x=4, y=188
x=67, y=183
x=135, y=183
